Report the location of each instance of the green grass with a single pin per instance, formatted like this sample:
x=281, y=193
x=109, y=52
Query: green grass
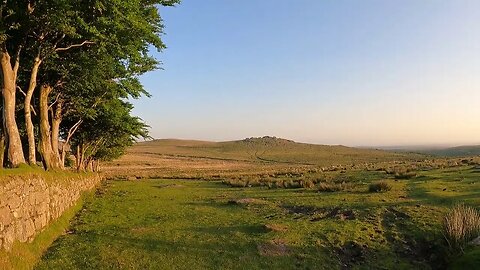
x=179, y=224
x=26, y=255
x=469, y=260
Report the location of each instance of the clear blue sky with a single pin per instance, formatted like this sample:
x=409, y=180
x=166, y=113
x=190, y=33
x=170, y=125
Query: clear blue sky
x=352, y=72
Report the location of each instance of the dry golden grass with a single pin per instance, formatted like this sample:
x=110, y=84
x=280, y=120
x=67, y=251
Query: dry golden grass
x=461, y=225
x=260, y=156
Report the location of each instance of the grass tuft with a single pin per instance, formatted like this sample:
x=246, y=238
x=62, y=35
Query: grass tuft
x=380, y=186
x=333, y=187
x=461, y=225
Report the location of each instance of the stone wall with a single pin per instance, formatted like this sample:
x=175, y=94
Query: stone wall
x=28, y=203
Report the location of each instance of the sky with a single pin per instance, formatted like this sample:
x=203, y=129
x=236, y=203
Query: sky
x=356, y=73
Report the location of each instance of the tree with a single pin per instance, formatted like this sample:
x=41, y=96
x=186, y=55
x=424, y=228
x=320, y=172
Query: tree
x=35, y=30
x=77, y=53
x=108, y=134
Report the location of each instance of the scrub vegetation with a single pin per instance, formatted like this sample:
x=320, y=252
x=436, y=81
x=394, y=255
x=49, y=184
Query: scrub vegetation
x=257, y=214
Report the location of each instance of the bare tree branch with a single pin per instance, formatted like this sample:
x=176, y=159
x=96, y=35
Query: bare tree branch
x=58, y=41
x=21, y=91
x=86, y=42
x=33, y=110
x=17, y=61
x=55, y=101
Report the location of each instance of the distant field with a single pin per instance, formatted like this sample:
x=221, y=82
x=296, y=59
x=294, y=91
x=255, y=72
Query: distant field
x=268, y=149
x=460, y=151
x=181, y=158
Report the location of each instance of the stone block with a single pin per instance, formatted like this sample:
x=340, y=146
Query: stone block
x=14, y=201
x=29, y=229
x=8, y=237
x=5, y=216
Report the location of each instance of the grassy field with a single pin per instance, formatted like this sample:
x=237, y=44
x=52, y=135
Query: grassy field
x=191, y=224
x=266, y=149
x=267, y=155
x=268, y=203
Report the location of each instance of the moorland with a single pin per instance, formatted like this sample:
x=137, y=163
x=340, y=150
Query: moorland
x=266, y=202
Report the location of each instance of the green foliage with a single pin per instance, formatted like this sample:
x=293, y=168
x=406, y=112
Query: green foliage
x=91, y=53
x=107, y=135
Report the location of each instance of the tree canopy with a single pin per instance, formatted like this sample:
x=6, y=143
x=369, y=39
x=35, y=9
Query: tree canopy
x=68, y=69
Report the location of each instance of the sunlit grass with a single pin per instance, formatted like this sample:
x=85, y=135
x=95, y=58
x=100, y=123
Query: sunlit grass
x=164, y=224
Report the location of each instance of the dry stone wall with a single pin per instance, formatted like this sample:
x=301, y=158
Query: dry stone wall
x=28, y=203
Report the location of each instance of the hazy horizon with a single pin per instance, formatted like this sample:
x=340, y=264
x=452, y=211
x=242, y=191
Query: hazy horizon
x=356, y=73
x=385, y=147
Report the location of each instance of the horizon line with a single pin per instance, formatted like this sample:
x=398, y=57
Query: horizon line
x=384, y=146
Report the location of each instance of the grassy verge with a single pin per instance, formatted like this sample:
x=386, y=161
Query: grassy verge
x=26, y=255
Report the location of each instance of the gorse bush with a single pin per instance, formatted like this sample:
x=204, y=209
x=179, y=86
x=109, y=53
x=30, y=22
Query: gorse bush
x=461, y=225
x=380, y=186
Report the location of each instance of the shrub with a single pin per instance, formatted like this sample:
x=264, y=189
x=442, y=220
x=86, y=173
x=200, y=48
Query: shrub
x=380, y=186
x=333, y=187
x=253, y=183
x=291, y=184
x=307, y=184
x=461, y=225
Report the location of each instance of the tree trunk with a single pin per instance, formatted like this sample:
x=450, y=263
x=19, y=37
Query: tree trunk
x=77, y=158
x=32, y=159
x=63, y=155
x=2, y=144
x=80, y=158
x=2, y=148
x=97, y=166
x=70, y=134
x=56, y=121
x=90, y=165
x=14, y=145
x=50, y=162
